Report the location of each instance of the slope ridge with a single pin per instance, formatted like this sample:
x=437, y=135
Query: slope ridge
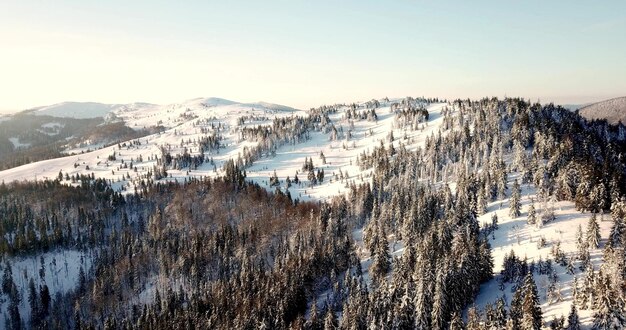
x=613, y=110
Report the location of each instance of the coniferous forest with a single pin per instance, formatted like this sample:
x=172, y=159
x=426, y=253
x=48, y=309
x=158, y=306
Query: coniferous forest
x=402, y=248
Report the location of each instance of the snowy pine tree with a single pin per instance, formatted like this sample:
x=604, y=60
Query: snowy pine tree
x=593, y=232
x=609, y=312
x=573, y=322
x=531, y=311
x=380, y=264
x=532, y=213
x=456, y=323
x=515, y=201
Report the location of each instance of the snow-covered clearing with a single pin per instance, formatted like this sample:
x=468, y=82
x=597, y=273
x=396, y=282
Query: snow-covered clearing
x=17, y=144
x=60, y=273
x=517, y=235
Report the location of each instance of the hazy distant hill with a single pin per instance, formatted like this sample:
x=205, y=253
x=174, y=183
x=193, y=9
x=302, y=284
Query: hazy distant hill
x=613, y=110
x=79, y=110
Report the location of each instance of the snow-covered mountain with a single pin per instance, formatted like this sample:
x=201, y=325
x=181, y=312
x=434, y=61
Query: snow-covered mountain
x=81, y=110
x=613, y=110
x=188, y=124
x=77, y=110
x=277, y=144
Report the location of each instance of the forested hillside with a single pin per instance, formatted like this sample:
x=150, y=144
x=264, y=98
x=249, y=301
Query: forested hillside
x=26, y=138
x=400, y=214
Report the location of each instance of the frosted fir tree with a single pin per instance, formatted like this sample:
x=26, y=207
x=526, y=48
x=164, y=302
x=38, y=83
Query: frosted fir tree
x=515, y=205
x=608, y=309
x=573, y=322
x=580, y=240
x=593, y=232
x=557, y=322
x=482, y=200
x=585, y=259
x=380, y=265
x=439, y=314
x=617, y=232
x=599, y=197
x=586, y=292
x=456, y=323
x=274, y=181
x=330, y=320
x=531, y=311
x=515, y=311
x=582, y=196
x=473, y=319
x=499, y=314
x=575, y=293
x=404, y=313
x=547, y=210
x=502, y=179
x=532, y=213
x=519, y=156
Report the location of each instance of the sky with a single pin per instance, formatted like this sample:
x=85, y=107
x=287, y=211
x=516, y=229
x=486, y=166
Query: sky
x=308, y=53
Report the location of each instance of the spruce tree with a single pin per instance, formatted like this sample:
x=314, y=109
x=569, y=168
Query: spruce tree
x=531, y=311
x=573, y=323
x=456, y=323
x=515, y=311
x=473, y=319
x=586, y=292
x=617, y=232
x=404, y=314
x=440, y=315
x=593, y=232
x=532, y=213
x=609, y=312
x=381, y=264
x=33, y=301
x=515, y=201
x=500, y=313
x=330, y=320
x=314, y=321
x=45, y=299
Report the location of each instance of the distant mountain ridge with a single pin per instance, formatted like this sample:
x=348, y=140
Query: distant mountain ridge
x=78, y=110
x=613, y=110
x=85, y=110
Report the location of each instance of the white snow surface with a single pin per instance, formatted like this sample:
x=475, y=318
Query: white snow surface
x=17, y=144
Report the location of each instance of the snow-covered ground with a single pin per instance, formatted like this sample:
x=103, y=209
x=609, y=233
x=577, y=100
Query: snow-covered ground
x=51, y=129
x=17, y=144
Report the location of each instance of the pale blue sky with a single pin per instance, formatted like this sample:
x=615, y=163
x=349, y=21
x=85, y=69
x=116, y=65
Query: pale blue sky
x=308, y=53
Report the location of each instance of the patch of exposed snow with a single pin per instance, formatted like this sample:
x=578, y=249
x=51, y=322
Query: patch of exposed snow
x=17, y=144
